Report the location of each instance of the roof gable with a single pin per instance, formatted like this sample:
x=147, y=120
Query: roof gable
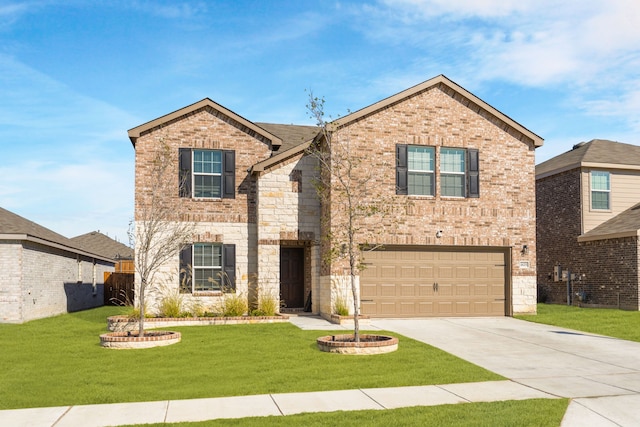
x=456, y=92
x=595, y=153
x=222, y=112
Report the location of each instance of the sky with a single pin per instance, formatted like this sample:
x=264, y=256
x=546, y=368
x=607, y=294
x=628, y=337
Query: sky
x=76, y=75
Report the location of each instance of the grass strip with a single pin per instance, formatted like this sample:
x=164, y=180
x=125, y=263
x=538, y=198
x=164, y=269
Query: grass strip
x=513, y=413
x=603, y=321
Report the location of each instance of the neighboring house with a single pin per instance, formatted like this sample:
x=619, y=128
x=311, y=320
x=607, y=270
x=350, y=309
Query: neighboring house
x=98, y=243
x=42, y=273
x=118, y=284
x=459, y=174
x=588, y=223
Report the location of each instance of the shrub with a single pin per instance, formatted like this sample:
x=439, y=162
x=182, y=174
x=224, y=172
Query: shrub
x=340, y=306
x=171, y=305
x=234, y=305
x=267, y=305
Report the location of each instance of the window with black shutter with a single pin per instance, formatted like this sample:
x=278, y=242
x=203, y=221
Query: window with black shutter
x=207, y=174
x=208, y=267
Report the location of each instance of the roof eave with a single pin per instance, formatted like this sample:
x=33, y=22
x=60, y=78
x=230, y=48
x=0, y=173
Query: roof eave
x=619, y=235
x=55, y=245
x=135, y=132
x=265, y=164
x=440, y=79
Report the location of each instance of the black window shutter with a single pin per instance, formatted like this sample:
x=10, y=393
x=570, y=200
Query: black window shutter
x=185, y=172
x=229, y=174
x=185, y=269
x=229, y=266
x=473, y=172
x=401, y=169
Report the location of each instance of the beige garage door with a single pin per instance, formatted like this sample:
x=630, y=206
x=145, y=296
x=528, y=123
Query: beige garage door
x=421, y=283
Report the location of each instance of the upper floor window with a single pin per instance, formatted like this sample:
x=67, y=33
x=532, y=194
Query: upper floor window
x=459, y=171
x=452, y=172
x=421, y=176
x=600, y=190
x=207, y=174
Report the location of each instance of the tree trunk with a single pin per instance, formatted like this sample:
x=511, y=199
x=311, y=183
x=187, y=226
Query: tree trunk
x=142, y=309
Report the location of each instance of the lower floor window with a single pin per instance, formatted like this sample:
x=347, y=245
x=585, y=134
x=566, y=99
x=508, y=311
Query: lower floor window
x=207, y=267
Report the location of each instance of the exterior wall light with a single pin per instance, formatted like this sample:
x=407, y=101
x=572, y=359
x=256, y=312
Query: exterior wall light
x=525, y=249
x=439, y=234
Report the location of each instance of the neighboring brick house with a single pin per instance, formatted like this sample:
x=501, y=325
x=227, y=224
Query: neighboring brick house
x=42, y=273
x=458, y=174
x=588, y=222
x=119, y=283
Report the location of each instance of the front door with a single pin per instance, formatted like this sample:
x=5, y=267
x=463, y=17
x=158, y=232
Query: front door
x=292, y=277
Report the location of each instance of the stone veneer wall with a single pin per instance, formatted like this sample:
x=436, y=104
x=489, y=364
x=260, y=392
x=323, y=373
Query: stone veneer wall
x=166, y=282
x=503, y=215
x=45, y=281
x=288, y=212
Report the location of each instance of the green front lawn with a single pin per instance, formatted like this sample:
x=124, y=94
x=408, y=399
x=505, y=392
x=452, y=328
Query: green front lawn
x=59, y=361
x=513, y=413
x=603, y=321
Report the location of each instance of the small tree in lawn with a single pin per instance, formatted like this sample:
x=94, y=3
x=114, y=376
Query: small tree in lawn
x=346, y=178
x=157, y=233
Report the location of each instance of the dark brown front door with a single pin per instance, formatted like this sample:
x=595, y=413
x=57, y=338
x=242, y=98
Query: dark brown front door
x=292, y=277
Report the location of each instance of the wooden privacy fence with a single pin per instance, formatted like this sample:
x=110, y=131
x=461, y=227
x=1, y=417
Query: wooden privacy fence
x=118, y=288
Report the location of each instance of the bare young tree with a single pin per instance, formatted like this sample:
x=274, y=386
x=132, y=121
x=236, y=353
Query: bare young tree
x=345, y=184
x=158, y=233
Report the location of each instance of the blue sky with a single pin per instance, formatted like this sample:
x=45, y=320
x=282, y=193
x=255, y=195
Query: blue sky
x=76, y=75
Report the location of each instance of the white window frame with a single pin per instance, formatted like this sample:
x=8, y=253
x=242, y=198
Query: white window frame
x=423, y=172
x=607, y=191
x=212, y=174
x=444, y=173
x=217, y=269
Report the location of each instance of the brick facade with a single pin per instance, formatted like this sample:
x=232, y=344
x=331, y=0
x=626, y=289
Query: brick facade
x=503, y=215
x=43, y=281
x=607, y=270
x=277, y=206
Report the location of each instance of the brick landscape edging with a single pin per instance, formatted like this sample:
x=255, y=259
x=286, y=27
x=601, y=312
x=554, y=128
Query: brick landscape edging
x=124, y=323
x=369, y=344
x=128, y=340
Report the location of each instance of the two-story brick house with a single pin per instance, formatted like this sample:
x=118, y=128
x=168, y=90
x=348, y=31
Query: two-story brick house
x=588, y=223
x=458, y=174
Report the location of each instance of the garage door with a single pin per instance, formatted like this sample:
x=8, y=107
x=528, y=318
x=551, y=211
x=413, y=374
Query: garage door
x=420, y=283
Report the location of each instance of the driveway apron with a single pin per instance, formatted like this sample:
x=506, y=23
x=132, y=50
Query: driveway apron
x=600, y=374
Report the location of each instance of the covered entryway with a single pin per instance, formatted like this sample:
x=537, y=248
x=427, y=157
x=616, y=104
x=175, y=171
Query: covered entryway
x=421, y=282
x=292, y=277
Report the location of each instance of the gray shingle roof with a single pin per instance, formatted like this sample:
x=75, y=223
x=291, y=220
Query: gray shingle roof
x=291, y=135
x=624, y=224
x=101, y=244
x=594, y=151
x=13, y=226
x=11, y=223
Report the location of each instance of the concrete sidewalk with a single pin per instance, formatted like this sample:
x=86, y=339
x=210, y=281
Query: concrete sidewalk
x=266, y=404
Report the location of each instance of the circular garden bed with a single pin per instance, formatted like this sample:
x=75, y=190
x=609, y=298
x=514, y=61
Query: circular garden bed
x=369, y=344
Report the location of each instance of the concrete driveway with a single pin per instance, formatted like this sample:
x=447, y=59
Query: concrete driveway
x=600, y=374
